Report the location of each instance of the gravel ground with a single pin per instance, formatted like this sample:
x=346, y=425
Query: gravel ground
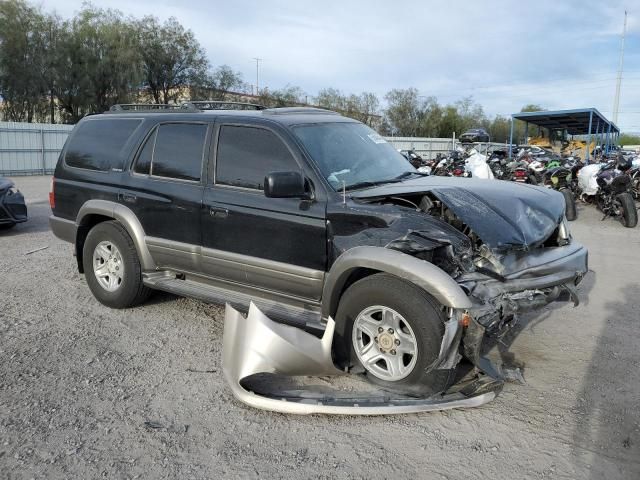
x=89, y=392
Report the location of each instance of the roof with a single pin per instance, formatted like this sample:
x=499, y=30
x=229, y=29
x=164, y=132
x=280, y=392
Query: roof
x=576, y=122
x=284, y=115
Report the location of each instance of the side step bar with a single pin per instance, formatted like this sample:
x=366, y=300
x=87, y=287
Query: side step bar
x=307, y=319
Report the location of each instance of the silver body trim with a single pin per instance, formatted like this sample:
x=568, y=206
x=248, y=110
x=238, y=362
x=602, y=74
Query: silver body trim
x=258, y=345
x=278, y=276
x=63, y=229
x=128, y=219
x=423, y=274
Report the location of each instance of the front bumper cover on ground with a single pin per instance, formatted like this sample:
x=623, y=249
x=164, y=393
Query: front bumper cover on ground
x=257, y=345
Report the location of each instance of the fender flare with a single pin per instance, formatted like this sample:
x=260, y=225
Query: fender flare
x=128, y=220
x=425, y=275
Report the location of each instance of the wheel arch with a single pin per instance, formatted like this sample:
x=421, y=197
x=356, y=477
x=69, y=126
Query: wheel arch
x=94, y=212
x=360, y=262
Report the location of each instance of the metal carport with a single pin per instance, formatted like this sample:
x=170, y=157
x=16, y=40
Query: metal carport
x=584, y=121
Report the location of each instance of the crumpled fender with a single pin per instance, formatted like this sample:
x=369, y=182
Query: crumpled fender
x=423, y=274
x=258, y=345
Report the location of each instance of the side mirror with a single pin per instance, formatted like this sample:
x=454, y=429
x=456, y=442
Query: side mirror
x=285, y=185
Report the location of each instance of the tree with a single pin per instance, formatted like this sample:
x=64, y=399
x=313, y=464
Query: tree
x=532, y=107
x=403, y=111
x=172, y=59
x=287, y=97
x=98, y=62
x=217, y=84
x=23, y=50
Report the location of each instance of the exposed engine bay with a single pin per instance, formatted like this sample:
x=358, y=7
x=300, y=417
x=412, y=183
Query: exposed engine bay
x=507, y=264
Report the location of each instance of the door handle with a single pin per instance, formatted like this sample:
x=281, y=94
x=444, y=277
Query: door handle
x=127, y=197
x=219, y=212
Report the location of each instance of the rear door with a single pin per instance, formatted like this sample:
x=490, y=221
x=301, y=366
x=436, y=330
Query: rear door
x=165, y=188
x=275, y=244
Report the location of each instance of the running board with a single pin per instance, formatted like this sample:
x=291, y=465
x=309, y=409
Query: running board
x=307, y=319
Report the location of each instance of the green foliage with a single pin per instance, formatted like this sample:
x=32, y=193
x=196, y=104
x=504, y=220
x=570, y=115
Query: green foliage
x=172, y=59
x=98, y=62
x=96, y=59
x=627, y=139
x=25, y=36
x=363, y=107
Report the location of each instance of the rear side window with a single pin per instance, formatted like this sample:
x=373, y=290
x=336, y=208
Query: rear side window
x=246, y=155
x=173, y=150
x=98, y=144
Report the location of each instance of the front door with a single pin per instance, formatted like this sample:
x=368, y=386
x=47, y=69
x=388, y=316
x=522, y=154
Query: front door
x=275, y=244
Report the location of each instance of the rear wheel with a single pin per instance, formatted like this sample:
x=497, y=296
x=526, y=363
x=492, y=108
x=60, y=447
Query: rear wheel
x=570, y=202
x=393, y=330
x=112, y=267
x=627, y=207
x=533, y=180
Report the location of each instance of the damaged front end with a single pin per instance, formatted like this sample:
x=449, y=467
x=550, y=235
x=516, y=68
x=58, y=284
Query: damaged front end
x=508, y=249
x=255, y=345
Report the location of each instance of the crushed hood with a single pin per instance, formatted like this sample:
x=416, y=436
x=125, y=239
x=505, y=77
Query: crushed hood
x=505, y=215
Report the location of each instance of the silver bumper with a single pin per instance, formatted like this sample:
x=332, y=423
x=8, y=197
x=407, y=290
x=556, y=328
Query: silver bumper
x=258, y=345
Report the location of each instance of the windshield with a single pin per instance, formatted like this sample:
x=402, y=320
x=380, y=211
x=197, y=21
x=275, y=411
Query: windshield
x=352, y=154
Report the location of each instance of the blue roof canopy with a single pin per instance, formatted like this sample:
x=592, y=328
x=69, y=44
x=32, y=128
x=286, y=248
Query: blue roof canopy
x=575, y=122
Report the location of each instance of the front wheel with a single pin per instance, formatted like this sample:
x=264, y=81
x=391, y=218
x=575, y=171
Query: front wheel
x=627, y=207
x=393, y=330
x=570, y=204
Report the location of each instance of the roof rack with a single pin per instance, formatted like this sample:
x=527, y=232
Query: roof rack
x=294, y=110
x=222, y=105
x=136, y=107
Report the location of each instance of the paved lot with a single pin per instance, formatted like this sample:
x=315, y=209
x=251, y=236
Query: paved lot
x=89, y=392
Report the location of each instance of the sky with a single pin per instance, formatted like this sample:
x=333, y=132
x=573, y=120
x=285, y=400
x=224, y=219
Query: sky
x=504, y=54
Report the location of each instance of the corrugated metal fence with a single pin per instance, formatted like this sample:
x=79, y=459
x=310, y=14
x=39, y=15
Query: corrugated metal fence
x=30, y=148
x=33, y=148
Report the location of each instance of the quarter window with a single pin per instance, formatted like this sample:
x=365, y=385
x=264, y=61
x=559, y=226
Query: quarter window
x=98, y=144
x=247, y=154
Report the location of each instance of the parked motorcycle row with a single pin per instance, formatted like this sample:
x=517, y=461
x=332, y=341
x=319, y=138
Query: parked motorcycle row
x=612, y=184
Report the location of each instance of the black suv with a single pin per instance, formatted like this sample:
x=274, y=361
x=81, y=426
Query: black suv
x=310, y=215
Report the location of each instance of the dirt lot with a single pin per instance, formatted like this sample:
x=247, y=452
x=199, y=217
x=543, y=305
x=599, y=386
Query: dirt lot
x=89, y=392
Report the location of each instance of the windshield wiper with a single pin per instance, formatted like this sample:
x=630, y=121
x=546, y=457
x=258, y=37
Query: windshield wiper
x=369, y=183
x=407, y=174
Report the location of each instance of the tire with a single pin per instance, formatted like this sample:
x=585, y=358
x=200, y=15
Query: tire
x=533, y=180
x=424, y=318
x=570, y=202
x=7, y=226
x=129, y=290
x=629, y=213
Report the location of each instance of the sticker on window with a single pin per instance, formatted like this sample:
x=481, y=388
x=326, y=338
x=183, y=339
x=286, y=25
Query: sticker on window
x=376, y=138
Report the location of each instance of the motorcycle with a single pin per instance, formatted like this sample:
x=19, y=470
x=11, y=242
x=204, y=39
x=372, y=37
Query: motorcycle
x=608, y=185
x=559, y=178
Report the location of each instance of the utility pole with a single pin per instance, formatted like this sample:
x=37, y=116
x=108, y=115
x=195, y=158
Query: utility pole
x=616, y=100
x=258, y=60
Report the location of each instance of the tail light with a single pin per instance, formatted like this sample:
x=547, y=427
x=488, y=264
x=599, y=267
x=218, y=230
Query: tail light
x=52, y=194
x=520, y=173
x=457, y=172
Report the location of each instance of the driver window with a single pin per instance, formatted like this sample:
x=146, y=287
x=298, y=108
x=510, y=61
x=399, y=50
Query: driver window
x=247, y=154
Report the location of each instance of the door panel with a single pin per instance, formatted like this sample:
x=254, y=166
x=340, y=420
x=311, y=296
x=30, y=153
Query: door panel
x=164, y=191
x=272, y=243
x=278, y=244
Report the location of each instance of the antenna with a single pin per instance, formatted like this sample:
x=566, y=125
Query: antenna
x=616, y=100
